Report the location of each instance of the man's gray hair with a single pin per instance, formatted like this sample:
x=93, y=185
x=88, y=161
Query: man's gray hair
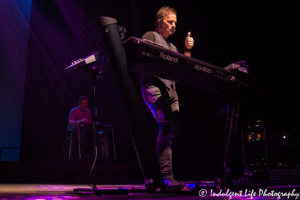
x=164, y=11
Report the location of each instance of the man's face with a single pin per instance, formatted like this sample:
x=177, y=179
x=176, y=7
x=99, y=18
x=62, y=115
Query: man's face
x=83, y=104
x=168, y=24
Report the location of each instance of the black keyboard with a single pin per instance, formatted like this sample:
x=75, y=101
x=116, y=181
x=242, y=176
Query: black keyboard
x=150, y=58
x=80, y=63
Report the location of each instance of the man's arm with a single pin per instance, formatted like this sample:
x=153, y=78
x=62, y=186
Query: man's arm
x=189, y=43
x=71, y=121
x=72, y=118
x=149, y=36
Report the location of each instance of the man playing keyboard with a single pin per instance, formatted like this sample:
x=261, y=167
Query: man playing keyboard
x=161, y=97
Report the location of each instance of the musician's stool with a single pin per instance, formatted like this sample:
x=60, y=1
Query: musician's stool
x=68, y=144
x=108, y=143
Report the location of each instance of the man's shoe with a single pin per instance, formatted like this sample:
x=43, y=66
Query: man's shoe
x=173, y=184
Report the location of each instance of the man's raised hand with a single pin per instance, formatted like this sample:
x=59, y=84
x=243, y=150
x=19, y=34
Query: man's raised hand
x=189, y=41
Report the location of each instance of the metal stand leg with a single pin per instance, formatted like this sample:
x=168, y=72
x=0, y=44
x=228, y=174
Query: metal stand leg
x=104, y=140
x=79, y=150
x=103, y=145
x=235, y=123
x=113, y=139
x=228, y=141
x=70, y=148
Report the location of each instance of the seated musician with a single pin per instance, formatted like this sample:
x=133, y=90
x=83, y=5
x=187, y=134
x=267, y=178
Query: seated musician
x=161, y=97
x=81, y=113
x=78, y=115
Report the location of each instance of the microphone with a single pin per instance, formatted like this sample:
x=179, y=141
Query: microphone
x=171, y=29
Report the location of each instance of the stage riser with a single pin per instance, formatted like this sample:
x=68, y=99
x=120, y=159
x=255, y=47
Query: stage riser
x=63, y=172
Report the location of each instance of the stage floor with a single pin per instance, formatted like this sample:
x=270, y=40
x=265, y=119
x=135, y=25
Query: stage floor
x=59, y=191
x=66, y=191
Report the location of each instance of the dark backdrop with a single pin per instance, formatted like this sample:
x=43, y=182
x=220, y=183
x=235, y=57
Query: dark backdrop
x=14, y=26
x=265, y=35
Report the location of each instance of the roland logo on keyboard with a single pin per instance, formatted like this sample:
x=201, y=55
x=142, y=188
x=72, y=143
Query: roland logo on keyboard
x=168, y=57
x=202, y=69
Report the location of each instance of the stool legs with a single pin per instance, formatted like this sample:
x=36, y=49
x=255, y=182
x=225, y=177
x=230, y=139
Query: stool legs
x=103, y=142
x=70, y=148
x=79, y=150
x=71, y=144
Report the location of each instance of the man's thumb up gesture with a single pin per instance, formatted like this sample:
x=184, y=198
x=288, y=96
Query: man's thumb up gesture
x=189, y=41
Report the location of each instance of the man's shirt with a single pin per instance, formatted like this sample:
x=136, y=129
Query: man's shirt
x=76, y=114
x=151, y=80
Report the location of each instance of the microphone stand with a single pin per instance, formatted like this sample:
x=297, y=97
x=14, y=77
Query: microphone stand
x=95, y=72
